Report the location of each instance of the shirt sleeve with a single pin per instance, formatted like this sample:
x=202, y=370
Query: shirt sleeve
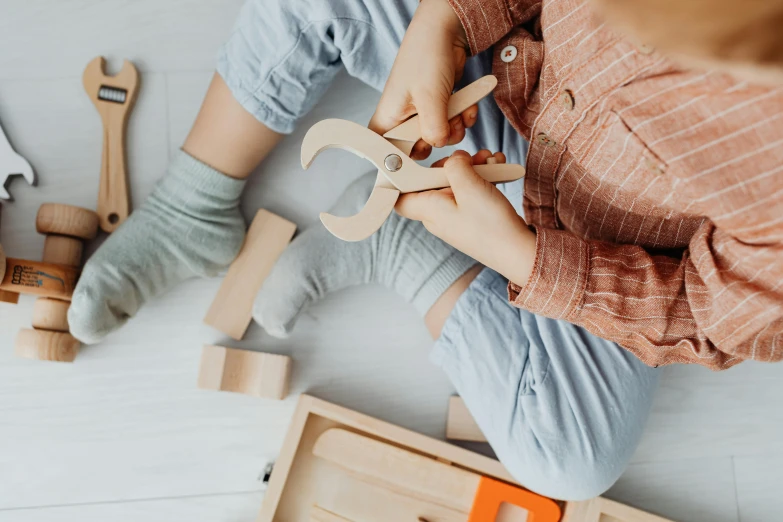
x=487, y=22
x=716, y=305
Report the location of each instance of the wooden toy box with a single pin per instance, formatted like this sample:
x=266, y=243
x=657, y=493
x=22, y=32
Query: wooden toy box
x=301, y=480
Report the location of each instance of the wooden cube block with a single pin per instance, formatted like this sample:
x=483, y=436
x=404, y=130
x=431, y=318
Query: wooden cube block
x=460, y=424
x=266, y=239
x=242, y=371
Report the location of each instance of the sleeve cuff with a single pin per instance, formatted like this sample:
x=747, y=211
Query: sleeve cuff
x=557, y=284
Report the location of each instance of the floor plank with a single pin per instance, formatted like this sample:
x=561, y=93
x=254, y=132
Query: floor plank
x=759, y=488
x=689, y=490
x=209, y=508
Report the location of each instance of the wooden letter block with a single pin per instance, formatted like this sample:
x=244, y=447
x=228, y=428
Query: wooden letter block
x=266, y=239
x=242, y=371
x=460, y=424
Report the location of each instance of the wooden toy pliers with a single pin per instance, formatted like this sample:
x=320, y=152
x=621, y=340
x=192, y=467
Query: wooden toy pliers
x=397, y=172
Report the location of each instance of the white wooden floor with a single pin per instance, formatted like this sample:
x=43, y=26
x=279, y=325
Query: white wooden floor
x=124, y=435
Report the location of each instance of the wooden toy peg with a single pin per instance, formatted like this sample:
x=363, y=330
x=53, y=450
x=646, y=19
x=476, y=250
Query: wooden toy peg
x=266, y=239
x=114, y=97
x=50, y=314
x=41, y=279
x=65, y=227
x=242, y=371
x=66, y=220
x=460, y=424
x=44, y=345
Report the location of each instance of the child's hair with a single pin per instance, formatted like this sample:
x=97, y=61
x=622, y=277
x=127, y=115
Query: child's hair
x=739, y=35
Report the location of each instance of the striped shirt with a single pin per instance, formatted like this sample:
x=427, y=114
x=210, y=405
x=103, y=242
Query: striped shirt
x=656, y=193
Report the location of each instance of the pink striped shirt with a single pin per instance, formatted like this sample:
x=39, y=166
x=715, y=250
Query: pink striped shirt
x=656, y=193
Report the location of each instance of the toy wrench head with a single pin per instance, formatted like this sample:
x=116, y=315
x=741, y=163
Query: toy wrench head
x=15, y=165
x=119, y=89
x=369, y=219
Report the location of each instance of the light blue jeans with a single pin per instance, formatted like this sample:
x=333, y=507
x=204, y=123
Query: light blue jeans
x=563, y=409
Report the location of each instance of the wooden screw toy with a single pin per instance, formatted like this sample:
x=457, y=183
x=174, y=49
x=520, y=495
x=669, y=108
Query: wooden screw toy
x=66, y=227
x=114, y=97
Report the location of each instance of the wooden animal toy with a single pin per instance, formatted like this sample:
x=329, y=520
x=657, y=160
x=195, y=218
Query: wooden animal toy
x=114, y=97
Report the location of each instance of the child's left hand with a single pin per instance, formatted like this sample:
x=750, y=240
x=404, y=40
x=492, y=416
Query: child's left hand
x=474, y=217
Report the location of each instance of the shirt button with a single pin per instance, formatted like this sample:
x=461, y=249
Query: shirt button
x=545, y=140
x=568, y=99
x=508, y=53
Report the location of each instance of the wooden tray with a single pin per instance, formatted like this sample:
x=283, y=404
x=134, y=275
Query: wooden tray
x=301, y=480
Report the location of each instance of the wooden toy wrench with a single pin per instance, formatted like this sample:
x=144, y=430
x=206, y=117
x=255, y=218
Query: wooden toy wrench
x=397, y=172
x=12, y=164
x=114, y=97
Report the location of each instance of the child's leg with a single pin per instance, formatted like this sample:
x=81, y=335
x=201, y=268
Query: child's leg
x=563, y=409
x=278, y=61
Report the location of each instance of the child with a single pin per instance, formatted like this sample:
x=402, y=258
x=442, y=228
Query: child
x=624, y=244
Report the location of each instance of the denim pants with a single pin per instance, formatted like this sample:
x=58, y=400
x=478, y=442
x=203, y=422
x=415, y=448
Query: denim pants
x=563, y=409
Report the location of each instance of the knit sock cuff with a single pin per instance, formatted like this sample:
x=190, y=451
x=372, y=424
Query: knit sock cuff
x=451, y=269
x=185, y=170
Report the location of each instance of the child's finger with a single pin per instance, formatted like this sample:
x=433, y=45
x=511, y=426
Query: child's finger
x=425, y=206
x=457, y=130
x=470, y=116
x=421, y=150
x=461, y=175
x=433, y=116
x=393, y=108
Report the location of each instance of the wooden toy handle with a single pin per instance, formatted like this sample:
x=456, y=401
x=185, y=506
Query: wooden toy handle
x=41, y=279
x=113, y=201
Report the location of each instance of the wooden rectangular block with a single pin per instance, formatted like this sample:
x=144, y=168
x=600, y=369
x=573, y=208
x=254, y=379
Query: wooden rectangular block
x=266, y=239
x=242, y=371
x=604, y=510
x=460, y=424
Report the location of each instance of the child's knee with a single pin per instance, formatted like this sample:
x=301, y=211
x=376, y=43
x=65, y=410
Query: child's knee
x=571, y=477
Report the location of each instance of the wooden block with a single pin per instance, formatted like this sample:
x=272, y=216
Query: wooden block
x=266, y=239
x=242, y=371
x=604, y=510
x=9, y=297
x=66, y=220
x=460, y=424
x=63, y=250
x=46, y=346
x=50, y=314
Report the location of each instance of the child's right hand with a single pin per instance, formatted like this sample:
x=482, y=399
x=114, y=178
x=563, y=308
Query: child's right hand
x=431, y=58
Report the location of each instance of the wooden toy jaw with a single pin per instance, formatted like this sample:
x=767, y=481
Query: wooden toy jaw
x=398, y=173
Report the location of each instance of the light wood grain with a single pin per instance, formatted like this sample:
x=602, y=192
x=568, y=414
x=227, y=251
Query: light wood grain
x=113, y=195
x=46, y=346
x=37, y=278
x=266, y=239
x=460, y=424
x=399, y=470
x=66, y=220
x=242, y=371
x=318, y=514
x=51, y=314
x=63, y=250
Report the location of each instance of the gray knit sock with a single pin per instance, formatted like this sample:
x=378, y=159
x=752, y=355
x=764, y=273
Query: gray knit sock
x=402, y=256
x=190, y=226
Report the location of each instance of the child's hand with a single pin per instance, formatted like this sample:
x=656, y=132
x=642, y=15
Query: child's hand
x=431, y=58
x=475, y=218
